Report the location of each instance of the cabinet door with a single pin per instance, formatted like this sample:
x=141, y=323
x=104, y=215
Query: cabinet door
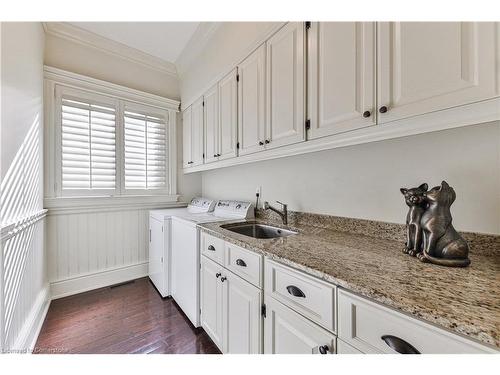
x=251, y=103
x=343, y=348
x=197, y=132
x=228, y=116
x=156, y=255
x=285, y=86
x=429, y=66
x=242, y=317
x=286, y=332
x=186, y=138
x=211, y=113
x=341, y=71
x=211, y=300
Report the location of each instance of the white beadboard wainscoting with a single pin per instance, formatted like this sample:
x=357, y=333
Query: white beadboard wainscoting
x=95, y=247
x=25, y=288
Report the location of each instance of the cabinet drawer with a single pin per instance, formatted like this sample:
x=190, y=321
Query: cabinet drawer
x=313, y=298
x=244, y=263
x=363, y=323
x=212, y=247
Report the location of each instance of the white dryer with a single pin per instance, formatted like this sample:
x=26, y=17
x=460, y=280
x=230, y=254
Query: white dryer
x=160, y=240
x=186, y=252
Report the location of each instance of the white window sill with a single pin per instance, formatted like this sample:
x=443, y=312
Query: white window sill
x=67, y=205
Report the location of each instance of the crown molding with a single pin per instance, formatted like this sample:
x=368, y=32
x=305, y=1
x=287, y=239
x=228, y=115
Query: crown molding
x=196, y=44
x=75, y=34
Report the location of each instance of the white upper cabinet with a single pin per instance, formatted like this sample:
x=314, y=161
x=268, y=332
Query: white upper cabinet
x=186, y=137
x=285, y=86
x=197, y=133
x=228, y=117
x=346, y=79
x=211, y=113
x=430, y=66
x=341, y=76
x=251, y=102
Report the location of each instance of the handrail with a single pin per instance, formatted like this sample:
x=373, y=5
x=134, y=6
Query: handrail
x=10, y=230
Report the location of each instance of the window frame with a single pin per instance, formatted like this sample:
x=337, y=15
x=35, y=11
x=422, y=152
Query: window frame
x=119, y=98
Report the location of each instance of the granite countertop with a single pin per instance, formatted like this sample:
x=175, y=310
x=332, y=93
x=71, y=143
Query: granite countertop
x=463, y=300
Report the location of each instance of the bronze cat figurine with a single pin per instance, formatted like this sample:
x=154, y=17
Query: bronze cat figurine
x=441, y=242
x=414, y=198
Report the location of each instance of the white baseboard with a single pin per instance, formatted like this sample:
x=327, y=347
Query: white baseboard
x=84, y=283
x=26, y=340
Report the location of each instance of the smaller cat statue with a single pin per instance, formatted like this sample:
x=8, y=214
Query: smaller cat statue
x=415, y=199
x=442, y=244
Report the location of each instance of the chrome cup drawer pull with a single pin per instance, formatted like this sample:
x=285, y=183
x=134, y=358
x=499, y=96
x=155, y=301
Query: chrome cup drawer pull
x=211, y=248
x=294, y=291
x=399, y=345
x=241, y=262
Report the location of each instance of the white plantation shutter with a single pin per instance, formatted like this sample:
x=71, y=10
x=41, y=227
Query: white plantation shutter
x=88, y=145
x=145, y=151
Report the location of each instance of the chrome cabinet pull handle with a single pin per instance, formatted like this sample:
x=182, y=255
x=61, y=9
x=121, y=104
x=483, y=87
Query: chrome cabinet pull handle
x=241, y=262
x=294, y=291
x=399, y=345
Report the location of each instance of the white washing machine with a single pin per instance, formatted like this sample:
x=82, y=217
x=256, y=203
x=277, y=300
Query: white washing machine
x=185, y=262
x=160, y=240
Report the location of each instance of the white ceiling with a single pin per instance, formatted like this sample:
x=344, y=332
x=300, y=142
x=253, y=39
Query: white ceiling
x=165, y=40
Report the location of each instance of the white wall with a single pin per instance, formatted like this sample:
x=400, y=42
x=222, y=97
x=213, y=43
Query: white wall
x=227, y=47
x=363, y=181
x=94, y=247
x=24, y=288
x=96, y=63
x=359, y=181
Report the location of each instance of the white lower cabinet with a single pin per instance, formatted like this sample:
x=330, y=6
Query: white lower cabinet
x=230, y=310
x=344, y=348
x=211, y=300
x=372, y=328
x=242, y=320
x=287, y=332
x=303, y=314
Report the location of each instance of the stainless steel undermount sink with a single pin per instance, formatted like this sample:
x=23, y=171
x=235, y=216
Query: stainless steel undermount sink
x=257, y=230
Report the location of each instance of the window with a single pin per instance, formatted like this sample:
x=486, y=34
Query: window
x=88, y=133
x=145, y=151
x=106, y=146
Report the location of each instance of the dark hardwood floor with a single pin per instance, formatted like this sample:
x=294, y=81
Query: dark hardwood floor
x=130, y=318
